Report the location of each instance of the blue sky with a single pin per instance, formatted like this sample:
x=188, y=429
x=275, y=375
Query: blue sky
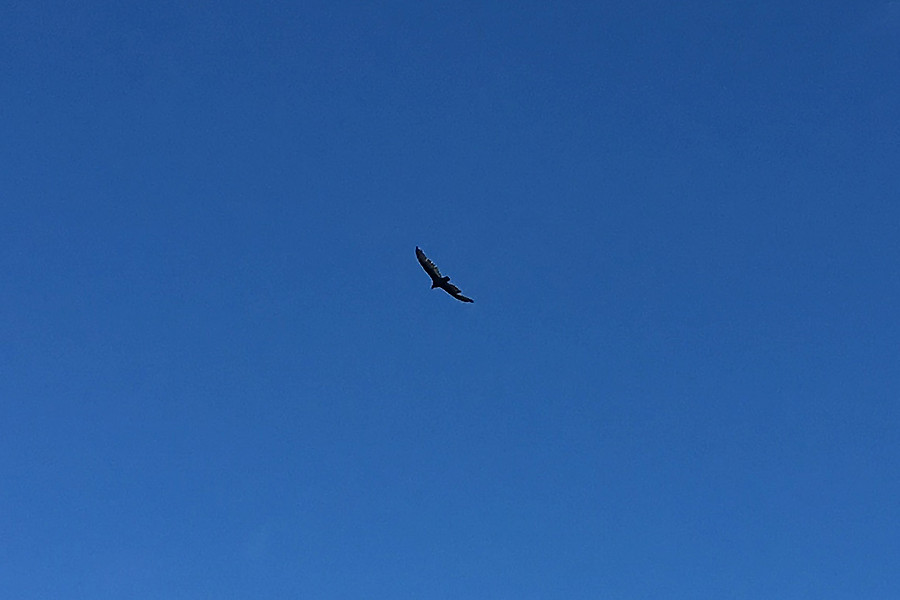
x=223, y=374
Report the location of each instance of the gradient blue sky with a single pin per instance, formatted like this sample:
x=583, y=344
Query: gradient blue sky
x=223, y=374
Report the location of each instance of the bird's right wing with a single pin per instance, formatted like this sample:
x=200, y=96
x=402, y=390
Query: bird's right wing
x=455, y=292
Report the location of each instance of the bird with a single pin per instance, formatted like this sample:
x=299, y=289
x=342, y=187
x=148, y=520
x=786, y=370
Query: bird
x=438, y=280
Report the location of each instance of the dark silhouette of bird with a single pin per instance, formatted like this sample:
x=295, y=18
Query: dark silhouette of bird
x=438, y=280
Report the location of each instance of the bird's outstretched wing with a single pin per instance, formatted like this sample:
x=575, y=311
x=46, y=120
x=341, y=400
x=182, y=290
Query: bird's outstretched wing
x=455, y=292
x=429, y=266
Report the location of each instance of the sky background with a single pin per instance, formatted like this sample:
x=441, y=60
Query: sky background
x=223, y=374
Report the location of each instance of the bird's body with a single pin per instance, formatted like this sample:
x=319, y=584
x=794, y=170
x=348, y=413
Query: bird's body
x=438, y=280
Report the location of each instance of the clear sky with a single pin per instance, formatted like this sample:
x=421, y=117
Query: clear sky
x=223, y=374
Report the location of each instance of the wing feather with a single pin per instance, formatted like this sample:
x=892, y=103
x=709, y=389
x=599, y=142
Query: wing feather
x=451, y=289
x=455, y=292
x=429, y=266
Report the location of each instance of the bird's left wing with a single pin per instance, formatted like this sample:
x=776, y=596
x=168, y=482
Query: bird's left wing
x=426, y=263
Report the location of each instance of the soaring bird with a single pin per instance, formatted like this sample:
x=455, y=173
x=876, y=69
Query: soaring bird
x=437, y=280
